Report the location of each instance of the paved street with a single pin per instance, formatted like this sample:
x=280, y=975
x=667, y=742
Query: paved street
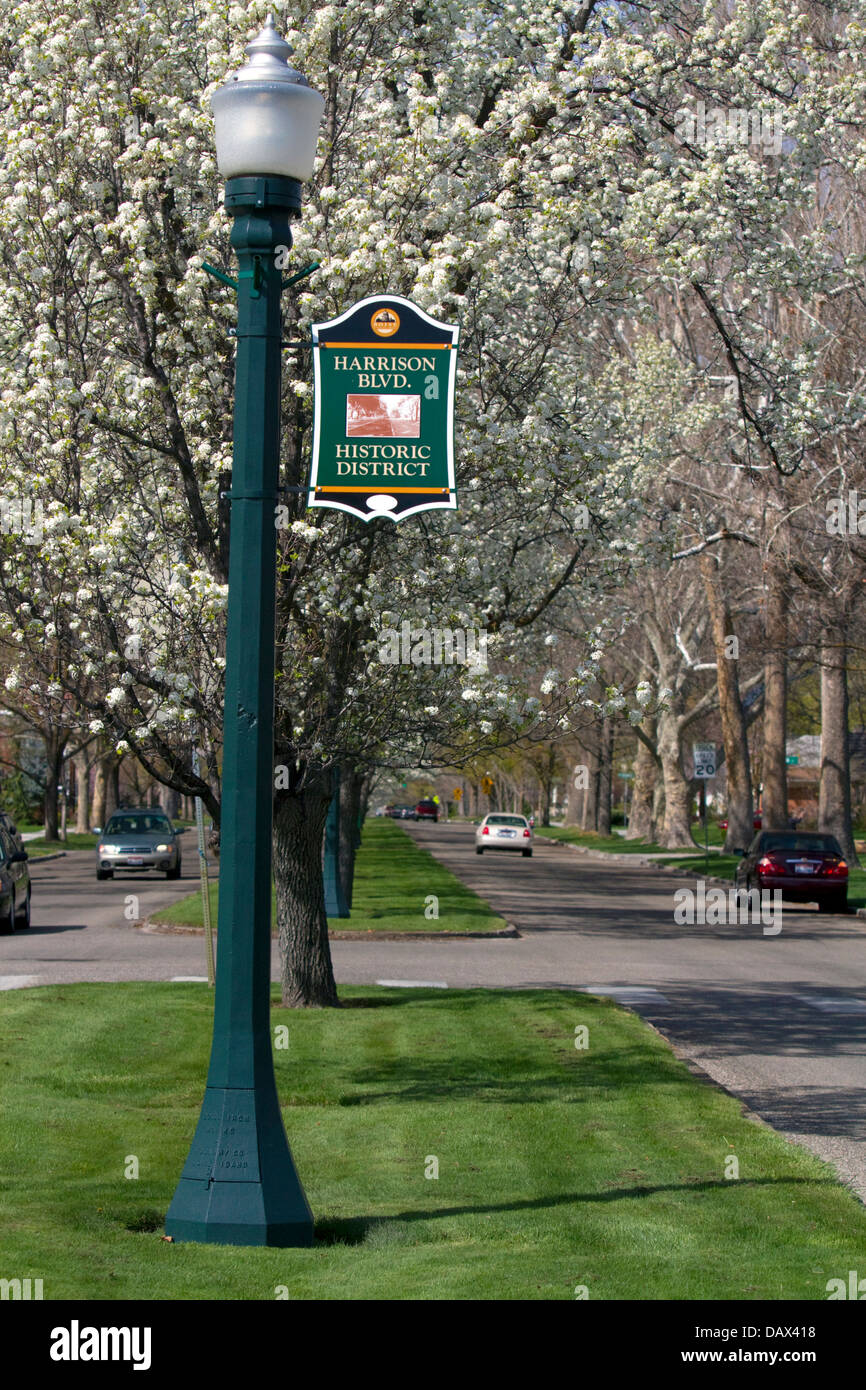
x=780, y=1020
x=80, y=931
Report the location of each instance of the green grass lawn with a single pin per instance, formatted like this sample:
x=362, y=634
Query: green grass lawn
x=614, y=844
x=609, y=844
x=857, y=888
x=37, y=848
x=720, y=865
x=394, y=878
x=557, y=1167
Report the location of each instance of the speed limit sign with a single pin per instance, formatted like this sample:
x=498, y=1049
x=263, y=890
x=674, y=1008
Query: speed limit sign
x=704, y=755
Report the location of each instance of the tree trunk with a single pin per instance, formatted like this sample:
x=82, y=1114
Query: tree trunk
x=575, y=793
x=364, y=801
x=676, y=828
x=834, y=802
x=112, y=784
x=774, y=802
x=99, y=796
x=82, y=792
x=740, y=832
x=54, y=746
x=589, y=807
x=658, y=809
x=640, y=825
x=547, y=779
x=605, y=778
x=306, y=970
x=106, y=789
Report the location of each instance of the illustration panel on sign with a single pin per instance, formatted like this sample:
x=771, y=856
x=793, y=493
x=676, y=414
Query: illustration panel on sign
x=389, y=417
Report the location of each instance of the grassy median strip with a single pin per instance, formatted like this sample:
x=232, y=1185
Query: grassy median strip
x=38, y=848
x=720, y=865
x=609, y=844
x=589, y=839
x=604, y=1167
x=398, y=887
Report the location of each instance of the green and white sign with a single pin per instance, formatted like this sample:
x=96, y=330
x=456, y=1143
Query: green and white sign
x=383, y=432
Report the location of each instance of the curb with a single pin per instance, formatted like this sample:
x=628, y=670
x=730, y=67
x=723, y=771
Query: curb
x=46, y=858
x=604, y=855
x=511, y=932
x=639, y=860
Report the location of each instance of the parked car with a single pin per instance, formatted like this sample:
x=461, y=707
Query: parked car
x=137, y=840
x=805, y=866
x=427, y=810
x=501, y=831
x=8, y=824
x=14, y=885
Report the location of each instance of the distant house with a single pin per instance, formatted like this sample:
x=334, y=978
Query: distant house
x=804, y=776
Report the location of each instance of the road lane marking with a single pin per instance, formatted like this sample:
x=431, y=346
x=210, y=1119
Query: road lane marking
x=413, y=984
x=17, y=981
x=627, y=994
x=833, y=1004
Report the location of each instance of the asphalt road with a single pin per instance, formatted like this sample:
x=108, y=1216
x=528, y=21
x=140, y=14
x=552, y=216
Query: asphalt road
x=84, y=930
x=779, y=1020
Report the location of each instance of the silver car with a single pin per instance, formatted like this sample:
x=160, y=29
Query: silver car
x=500, y=830
x=138, y=840
x=14, y=885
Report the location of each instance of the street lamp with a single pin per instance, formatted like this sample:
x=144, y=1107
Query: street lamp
x=239, y=1185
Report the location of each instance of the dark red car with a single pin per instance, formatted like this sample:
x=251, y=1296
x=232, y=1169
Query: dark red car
x=804, y=865
x=427, y=810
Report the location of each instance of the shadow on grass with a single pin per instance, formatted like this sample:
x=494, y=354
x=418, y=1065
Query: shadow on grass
x=359, y=1230
x=580, y=1077
x=364, y=1002
x=372, y=1002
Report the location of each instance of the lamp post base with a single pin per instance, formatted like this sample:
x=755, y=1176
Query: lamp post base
x=239, y=1185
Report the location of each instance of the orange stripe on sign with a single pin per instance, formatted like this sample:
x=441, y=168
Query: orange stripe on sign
x=384, y=492
x=391, y=347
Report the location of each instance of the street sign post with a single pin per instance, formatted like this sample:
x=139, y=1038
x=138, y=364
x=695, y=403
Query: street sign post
x=704, y=757
x=383, y=425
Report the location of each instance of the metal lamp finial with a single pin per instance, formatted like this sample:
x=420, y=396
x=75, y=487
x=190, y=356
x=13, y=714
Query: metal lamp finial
x=268, y=56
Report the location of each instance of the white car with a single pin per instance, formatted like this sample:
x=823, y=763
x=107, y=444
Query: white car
x=502, y=831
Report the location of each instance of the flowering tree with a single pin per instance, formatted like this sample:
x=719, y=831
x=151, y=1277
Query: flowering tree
x=542, y=174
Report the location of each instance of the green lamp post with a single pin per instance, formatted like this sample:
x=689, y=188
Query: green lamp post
x=239, y=1185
